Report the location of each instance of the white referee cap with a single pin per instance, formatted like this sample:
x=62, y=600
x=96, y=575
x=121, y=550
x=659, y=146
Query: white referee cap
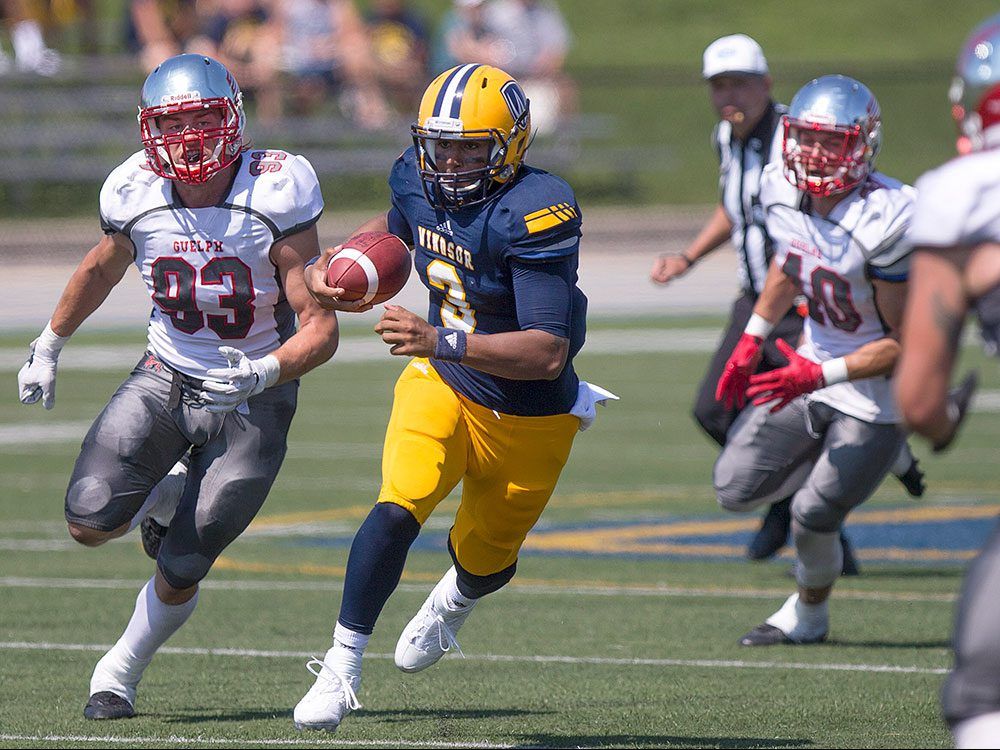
x=736, y=53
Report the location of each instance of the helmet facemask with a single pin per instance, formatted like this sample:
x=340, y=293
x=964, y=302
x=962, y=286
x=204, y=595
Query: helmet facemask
x=182, y=155
x=826, y=159
x=468, y=187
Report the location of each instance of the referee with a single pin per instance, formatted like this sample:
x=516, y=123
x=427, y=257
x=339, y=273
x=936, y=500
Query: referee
x=747, y=137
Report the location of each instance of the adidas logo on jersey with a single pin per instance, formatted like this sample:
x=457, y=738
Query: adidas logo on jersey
x=445, y=228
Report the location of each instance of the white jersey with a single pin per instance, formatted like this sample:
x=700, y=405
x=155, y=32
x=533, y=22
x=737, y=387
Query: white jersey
x=208, y=270
x=834, y=259
x=958, y=205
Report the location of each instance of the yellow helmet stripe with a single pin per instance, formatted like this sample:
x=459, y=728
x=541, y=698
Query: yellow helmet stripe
x=449, y=100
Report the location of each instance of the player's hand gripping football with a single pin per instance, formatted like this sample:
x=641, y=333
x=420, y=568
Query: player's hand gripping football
x=741, y=364
x=408, y=334
x=326, y=296
x=787, y=383
x=229, y=387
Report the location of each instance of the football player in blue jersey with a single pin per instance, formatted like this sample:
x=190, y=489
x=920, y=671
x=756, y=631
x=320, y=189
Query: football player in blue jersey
x=490, y=397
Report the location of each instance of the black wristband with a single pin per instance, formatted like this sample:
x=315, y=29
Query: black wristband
x=686, y=257
x=450, y=345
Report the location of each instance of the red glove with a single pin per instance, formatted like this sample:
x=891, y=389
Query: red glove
x=741, y=364
x=785, y=384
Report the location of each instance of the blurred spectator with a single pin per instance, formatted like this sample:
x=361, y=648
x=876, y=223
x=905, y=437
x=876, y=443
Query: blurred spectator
x=59, y=17
x=241, y=35
x=400, y=48
x=461, y=29
x=528, y=39
x=30, y=53
x=325, y=49
x=158, y=29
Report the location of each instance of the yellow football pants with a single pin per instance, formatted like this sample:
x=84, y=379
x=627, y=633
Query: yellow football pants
x=510, y=465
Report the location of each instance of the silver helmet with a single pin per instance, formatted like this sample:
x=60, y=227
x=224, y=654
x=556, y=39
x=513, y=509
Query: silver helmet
x=975, y=90
x=184, y=149
x=832, y=134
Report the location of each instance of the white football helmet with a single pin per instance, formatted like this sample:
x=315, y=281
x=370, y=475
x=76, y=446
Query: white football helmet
x=975, y=89
x=832, y=134
x=189, y=83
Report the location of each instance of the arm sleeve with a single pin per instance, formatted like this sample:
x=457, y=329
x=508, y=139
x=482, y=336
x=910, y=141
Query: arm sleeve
x=544, y=295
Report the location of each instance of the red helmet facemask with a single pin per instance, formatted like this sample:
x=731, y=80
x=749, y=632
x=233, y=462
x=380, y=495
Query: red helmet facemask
x=839, y=163
x=191, y=164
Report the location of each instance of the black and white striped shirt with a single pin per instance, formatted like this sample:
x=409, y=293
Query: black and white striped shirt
x=740, y=167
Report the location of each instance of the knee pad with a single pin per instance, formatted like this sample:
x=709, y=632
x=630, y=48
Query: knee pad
x=183, y=573
x=88, y=501
x=740, y=498
x=475, y=587
x=821, y=557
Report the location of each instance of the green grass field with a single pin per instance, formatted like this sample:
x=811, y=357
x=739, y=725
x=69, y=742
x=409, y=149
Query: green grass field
x=632, y=648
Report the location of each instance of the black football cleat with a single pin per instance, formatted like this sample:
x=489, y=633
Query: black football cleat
x=850, y=566
x=108, y=705
x=773, y=533
x=765, y=635
x=152, y=535
x=768, y=635
x=913, y=480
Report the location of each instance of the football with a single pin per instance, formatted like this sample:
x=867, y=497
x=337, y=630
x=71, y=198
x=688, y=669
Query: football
x=371, y=266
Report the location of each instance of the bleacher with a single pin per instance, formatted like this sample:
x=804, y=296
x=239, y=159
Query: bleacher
x=75, y=128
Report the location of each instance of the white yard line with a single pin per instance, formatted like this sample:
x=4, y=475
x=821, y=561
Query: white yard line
x=528, y=589
x=528, y=659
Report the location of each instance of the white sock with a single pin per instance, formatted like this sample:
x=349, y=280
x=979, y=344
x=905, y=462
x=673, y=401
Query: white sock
x=344, y=656
x=981, y=731
x=449, y=596
x=152, y=623
x=796, y=619
x=161, y=504
x=151, y=499
x=904, y=459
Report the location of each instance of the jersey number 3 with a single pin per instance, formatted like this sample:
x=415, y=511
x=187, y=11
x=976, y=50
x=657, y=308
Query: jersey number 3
x=455, y=309
x=174, y=291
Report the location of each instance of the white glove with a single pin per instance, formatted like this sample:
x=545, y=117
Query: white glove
x=229, y=387
x=36, y=380
x=587, y=398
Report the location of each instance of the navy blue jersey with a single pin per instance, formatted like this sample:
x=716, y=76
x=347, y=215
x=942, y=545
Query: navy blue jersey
x=466, y=258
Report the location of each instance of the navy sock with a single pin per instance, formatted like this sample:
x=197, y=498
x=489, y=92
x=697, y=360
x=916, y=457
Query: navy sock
x=375, y=564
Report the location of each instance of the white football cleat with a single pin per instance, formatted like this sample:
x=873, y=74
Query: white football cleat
x=329, y=700
x=431, y=632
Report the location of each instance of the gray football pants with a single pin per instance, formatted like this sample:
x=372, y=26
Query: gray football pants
x=831, y=461
x=973, y=687
x=151, y=421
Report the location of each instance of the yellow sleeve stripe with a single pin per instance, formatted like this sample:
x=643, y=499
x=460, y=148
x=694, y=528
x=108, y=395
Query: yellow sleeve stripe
x=549, y=217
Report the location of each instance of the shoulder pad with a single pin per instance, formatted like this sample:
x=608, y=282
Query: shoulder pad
x=889, y=203
x=403, y=177
x=130, y=189
x=285, y=189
